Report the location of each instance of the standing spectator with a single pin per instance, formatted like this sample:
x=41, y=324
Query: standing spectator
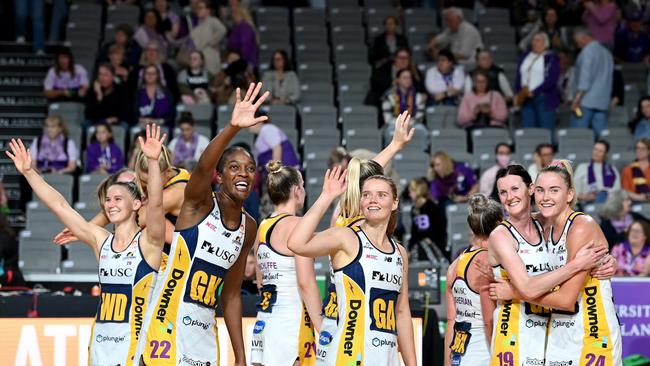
x=154, y=104
x=152, y=56
x=386, y=43
x=281, y=80
x=170, y=21
x=123, y=38
x=194, y=81
x=600, y=17
x=460, y=36
x=538, y=93
x=635, y=177
x=403, y=97
x=618, y=89
x=186, y=149
x=383, y=77
x=206, y=36
x=65, y=80
x=566, y=84
x=640, y=125
x=482, y=107
x=242, y=36
x=616, y=216
x=557, y=36
x=595, y=179
x=103, y=155
x=236, y=74
x=594, y=69
x=106, y=101
x=444, y=82
x=450, y=181
x=632, y=254
x=429, y=220
x=53, y=151
x=116, y=60
x=631, y=42
x=542, y=157
x=10, y=274
x=34, y=10
x=150, y=30
x=59, y=13
x=502, y=157
x=497, y=79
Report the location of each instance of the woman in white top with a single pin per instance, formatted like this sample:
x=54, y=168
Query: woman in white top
x=281, y=80
x=444, y=81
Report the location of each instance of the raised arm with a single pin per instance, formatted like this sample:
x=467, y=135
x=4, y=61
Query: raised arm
x=88, y=233
x=401, y=137
x=66, y=236
x=198, y=191
x=154, y=232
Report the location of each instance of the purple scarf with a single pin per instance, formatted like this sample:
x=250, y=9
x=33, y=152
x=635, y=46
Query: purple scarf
x=608, y=175
x=632, y=262
x=184, y=151
x=406, y=101
x=638, y=178
x=51, y=153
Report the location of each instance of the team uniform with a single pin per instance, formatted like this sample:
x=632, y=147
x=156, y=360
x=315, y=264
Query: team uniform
x=182, y=176
x=283, y=332
x=181, y=326
x=127, y=282
x=367, y=290
x=468, y=345
x=330, y=305
x=519, y=333
x=591, y=335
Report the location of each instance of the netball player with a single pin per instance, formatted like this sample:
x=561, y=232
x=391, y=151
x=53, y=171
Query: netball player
x=469, y=308
x=290, y=299
x=370, y=274
x=584, y=328
x=205, y=266
x=128, y=258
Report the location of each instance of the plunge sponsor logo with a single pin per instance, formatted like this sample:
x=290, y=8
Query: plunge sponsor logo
x=530, y=323
x=195, y=323
x=192, y=362
x=103, y=339
x=377, y=342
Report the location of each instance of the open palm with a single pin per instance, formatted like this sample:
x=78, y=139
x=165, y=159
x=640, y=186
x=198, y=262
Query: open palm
x=403, y=132
x=20, y=155
x=243, y=115
x=152, y=147
x=334, y=183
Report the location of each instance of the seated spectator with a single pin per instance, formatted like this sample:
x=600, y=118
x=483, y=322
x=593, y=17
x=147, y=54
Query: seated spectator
x=205, y=36
x=401, y=98
x=601, y=17
x=383, y=77
x=65, y=81
x=242, y=36
x=460, y=36
x=281, y=80
x=595, y=179
x=194, y=81
x=444, y=82
x=635, y=177
x=632, y=254
x=236, y=74
x=154, y=104
x=53, y=151
x=502, y=157
x=150, y=30
x=557, y=36
x=386, y=43
x=103, y=155
x=170, y=21
x=106, y=101
x=482, y=107
x=616, y=216
x=631, y=42
x=153, y=56
x=124, y=39
x=450, y=181
x=272, y=143
x=640, y=125
x=429, y=219
x=543, y=157
x=536, y=85
x=186, y=149
x=116, y=59
x=497, y=79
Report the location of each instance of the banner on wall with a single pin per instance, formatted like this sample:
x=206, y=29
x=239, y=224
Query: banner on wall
x=64, y=341
x=632, y=299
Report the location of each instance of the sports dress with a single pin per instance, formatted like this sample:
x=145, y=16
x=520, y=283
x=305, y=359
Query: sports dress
x=519, y=333
x=367, y=290
x=127, y=282
x=591, y=335
x=283, y=331
x=181, y=326
x=330, y=304
x=468, y=345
